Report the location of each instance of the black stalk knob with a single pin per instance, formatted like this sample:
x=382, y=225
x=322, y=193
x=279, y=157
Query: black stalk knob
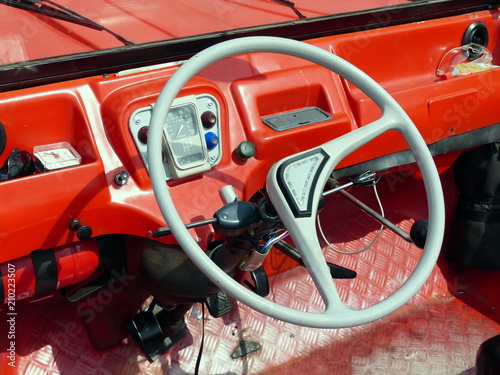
x=83, y=232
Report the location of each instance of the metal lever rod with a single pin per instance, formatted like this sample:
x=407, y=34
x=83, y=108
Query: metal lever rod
x=374, y=214
x=365, y=178
x=336, y=189
x=165, y=231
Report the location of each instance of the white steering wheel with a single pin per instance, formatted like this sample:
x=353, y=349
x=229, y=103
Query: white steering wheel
x=298, y=210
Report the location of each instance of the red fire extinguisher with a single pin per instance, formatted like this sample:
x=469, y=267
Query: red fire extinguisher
x=44, y=271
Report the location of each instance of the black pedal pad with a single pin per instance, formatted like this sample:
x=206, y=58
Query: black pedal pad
x=147, y=333
x=219, y=304
x=260, y=282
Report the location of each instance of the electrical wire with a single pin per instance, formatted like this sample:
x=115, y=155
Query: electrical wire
x=271, y=241
x=200, y=353
x=370, y=245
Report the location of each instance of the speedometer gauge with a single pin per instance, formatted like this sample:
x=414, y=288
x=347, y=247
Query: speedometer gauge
x=183, y=139
x=181, y=122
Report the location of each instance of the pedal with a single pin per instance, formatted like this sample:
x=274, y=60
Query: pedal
x=219, y=304
x=260, y=282
x=147, y=333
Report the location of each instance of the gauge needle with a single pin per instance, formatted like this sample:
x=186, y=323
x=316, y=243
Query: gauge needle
x=179, y=131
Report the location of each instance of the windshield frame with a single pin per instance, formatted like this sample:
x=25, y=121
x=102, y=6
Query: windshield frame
x=108, y=61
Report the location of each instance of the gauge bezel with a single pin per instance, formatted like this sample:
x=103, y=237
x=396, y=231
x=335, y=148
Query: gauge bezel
x=171, y=143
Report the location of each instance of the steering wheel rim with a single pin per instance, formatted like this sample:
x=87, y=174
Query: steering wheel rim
x=336, y=314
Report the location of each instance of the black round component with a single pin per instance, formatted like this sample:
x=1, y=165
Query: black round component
x=121, y=178
x=267, y=211
x=208, y=119
x=3, y=138
x=245, y=150
x=146, y=328
x=83, y=232
x=142, y=135
x=476, y=33
x=418, y=233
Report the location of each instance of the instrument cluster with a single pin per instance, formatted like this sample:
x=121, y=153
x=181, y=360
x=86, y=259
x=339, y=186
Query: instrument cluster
x=191, y=135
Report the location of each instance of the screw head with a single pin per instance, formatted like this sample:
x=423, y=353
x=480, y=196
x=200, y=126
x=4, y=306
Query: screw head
x=121, y=178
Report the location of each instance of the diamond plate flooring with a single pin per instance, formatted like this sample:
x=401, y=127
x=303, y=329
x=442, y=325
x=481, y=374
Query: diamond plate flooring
x=435, y=333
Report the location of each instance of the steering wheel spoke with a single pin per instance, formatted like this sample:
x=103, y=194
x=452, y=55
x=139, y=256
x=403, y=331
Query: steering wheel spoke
x=346, y=144
x=315, y=263
x=295, y=185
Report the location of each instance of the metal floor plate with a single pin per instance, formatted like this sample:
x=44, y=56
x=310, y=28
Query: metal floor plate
x=435, y=333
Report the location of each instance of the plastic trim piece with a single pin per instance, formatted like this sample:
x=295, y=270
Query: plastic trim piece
x=310, y=180
x=296, y=119
x=453, y=143
x=476, y=33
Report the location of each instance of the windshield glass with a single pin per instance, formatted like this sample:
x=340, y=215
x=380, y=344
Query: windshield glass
x=38, y=29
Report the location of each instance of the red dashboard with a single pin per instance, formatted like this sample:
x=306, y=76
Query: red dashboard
x=93, y=115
